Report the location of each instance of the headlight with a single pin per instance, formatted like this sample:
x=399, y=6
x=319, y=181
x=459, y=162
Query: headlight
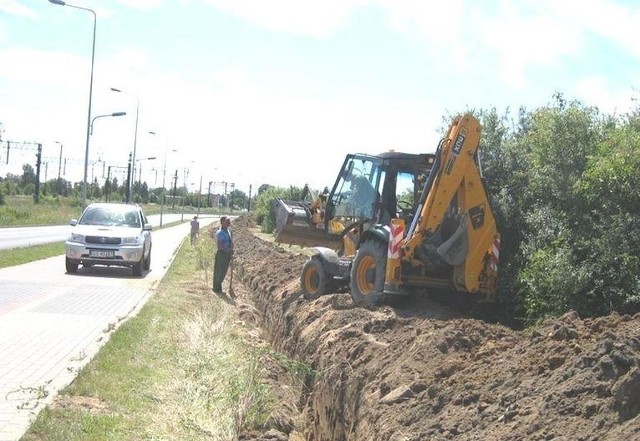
x=75, y=237
x=132, y=240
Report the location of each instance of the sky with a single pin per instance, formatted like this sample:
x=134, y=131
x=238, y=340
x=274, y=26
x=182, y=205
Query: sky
x=252, y=92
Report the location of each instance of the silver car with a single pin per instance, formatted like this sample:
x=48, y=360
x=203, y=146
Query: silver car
x=110, y=234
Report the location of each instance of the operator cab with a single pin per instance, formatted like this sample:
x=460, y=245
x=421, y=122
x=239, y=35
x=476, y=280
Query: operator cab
x=374, y=189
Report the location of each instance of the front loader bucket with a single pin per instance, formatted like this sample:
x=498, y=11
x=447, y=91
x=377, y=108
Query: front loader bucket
x=294, y=226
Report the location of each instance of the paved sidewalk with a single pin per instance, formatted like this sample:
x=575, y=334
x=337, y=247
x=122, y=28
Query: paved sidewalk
x=52, y=323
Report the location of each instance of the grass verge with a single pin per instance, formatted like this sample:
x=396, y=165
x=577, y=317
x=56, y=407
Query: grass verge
x=18, y=256
x=182, y=369
x=20, y=211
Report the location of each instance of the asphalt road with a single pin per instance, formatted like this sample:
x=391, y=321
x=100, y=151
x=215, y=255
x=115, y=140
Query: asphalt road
x=20, y=237
x=53, y=323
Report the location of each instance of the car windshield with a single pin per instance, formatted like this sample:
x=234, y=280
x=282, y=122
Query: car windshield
x=109, y=216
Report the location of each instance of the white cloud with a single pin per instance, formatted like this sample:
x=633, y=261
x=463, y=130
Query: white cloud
x=615, y=22
x=431, y=20
x=524, y=37
x=463, y=35
x=14, y=7
x=142, y=5
x=302, y=17
x=610, y=98
x=239, y=131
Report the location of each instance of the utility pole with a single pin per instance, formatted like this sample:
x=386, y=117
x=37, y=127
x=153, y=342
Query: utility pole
x=175, y=190
x=38, y=162
x=107, y=185
x=59, y=169
x=233, y=187
x=199, y=192
x=249, y=202
x=209, y=194
x=226, y=199
x=128, y=187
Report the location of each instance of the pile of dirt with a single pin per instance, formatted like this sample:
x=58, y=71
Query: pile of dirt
x=421, y=372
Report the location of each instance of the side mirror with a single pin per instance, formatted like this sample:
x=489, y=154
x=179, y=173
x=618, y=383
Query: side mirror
x=73, y=222
x=147, y=227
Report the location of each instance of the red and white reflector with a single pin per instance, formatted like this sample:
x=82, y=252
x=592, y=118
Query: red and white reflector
x=495, y=254
x=395, y=239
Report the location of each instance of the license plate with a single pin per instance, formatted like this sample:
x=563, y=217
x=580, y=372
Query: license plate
x=104, y=254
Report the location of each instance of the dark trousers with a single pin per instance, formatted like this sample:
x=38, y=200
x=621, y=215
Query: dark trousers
x=220, y=268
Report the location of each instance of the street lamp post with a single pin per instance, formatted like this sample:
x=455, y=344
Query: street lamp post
x=93, y=53
x=104, y=116
x=135, y=134
x=150, y=158
x=86, y=162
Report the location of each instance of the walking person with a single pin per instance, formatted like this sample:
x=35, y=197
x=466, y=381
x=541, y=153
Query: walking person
x=224, y=254
x=195, y=229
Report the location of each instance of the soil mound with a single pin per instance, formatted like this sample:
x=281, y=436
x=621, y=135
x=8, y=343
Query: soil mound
x=422, y=372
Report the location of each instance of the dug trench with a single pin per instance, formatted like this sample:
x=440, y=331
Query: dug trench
x=423, y=372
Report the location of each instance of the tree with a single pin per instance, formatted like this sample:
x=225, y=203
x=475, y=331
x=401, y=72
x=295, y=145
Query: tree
x=564, y=184
x=238, y=199
x=28, y=175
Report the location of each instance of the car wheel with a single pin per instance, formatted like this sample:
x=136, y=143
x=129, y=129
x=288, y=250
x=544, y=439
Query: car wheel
x=72, y=267
x=147, y=262
x=136, y=269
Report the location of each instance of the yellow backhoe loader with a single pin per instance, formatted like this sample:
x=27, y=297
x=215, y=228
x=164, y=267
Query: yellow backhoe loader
x=399, y=223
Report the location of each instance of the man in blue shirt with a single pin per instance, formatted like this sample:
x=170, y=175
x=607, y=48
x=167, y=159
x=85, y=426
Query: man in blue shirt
x=224, y=254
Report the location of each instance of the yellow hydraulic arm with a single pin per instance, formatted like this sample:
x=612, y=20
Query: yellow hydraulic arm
x=456, y=180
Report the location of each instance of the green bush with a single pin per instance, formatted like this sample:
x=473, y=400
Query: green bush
x=264, y=212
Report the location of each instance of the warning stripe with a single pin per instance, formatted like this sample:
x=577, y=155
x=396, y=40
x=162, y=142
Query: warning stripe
x=495, y=254
x=397, y=233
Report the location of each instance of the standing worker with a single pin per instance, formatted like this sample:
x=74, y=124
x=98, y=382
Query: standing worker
x=223, y=254
x=195, y=229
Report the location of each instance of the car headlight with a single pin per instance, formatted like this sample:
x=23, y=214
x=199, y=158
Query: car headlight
x=75, y=237
x=136, y=240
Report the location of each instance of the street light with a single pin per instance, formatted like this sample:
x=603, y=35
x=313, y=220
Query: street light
x=135, y=134
x=93, y=54
x=150, y=158
x=86, y=162
x=104, y=116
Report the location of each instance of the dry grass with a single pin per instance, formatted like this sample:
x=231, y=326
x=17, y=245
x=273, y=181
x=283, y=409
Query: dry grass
x=182, y=369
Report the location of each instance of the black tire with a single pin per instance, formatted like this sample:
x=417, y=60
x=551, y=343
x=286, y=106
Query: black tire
x=147, y=262
x=368, y=272
x=313, y=280
x=72, y=267
x=136, y=269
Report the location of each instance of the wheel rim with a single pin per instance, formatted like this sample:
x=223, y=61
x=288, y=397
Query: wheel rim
x=311, y=280
x=366, y=269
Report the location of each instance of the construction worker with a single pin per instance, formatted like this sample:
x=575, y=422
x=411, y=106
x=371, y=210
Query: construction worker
x=224, y=253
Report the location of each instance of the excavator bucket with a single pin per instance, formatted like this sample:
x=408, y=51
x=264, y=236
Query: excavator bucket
x=294, y=226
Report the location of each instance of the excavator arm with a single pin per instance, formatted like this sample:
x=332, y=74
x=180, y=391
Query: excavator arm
x=454, y=192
